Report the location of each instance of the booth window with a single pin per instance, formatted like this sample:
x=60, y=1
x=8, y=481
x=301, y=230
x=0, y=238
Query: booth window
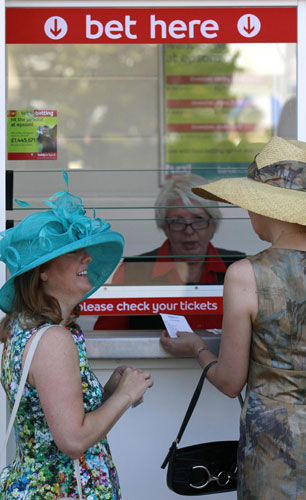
x=130, y=117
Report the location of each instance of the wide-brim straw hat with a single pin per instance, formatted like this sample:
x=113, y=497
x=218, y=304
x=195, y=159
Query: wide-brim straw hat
x=275, y=185
x=43, y=236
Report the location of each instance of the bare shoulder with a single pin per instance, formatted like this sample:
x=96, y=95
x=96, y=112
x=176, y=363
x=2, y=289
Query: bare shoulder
x=241, y=272
x=55, y=335
x=55, y=354
x=55, y=340
x=58, y=341
x=58, y=332
x=240, y=288
x=240, y=265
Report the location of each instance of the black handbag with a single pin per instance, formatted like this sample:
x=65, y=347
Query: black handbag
x=201, y=469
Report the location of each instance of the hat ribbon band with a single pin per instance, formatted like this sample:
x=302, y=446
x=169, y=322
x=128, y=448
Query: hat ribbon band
x=284, y=174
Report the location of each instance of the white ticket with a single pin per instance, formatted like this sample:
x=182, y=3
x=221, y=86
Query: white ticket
x=175, y=323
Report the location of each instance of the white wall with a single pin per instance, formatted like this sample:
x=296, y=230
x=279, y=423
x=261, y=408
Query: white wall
x=141, y=439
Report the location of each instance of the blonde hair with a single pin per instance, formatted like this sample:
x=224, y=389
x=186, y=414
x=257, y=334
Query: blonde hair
x=33, y=305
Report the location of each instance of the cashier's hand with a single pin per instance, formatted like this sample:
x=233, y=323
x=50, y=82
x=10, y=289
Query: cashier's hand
x=186, y=343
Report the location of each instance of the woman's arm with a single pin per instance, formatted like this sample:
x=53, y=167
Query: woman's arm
x=239, y=310
x=55, y=372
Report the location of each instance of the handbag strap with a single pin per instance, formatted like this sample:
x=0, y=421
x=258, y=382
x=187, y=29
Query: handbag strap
x=190, y=409
x=194, y=401
x=22, y=383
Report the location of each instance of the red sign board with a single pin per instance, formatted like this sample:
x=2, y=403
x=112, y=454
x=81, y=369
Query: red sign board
x=163, y=25
x=152, y=305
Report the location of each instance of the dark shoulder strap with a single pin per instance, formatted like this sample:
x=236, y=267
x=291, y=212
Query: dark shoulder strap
x=194, y=401
x=189, y=411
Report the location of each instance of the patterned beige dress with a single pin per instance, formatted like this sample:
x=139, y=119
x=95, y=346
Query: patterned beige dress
x=272, y=450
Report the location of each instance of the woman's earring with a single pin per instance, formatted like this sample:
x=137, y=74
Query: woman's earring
x=45, y=278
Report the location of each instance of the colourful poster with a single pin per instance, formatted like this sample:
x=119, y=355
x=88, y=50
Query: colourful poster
x=32, y=134
x=217, y=112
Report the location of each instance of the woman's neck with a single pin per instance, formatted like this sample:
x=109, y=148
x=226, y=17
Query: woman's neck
x=190, y=272
x=66, y=311
x=293, y=237
x=195, y=270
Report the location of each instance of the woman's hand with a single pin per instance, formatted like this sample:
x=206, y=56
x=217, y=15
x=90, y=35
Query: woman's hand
x=134, y=383
x=186, y=343
x=112, y=383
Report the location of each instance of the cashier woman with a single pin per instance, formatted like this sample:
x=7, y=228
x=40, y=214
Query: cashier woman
x=187, y=255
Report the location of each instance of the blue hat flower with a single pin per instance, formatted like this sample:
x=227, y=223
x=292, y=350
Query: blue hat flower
x=64, y=228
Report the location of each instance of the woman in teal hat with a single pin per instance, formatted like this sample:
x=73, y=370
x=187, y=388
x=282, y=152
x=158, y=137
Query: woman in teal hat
x=57, y=258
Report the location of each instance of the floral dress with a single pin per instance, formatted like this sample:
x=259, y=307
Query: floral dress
x=40, y=470
x=272, y=449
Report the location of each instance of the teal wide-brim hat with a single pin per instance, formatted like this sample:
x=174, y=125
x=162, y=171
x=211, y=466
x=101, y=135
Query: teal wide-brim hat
x=43, y=236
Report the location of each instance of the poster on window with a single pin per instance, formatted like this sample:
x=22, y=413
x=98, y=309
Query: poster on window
x=217, y=113
x=32, y=134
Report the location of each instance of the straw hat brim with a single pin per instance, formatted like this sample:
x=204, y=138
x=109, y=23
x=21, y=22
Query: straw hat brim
x=278, y=203
x=105, y=248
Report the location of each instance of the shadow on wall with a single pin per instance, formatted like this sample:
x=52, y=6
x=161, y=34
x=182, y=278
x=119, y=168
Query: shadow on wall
x=287, y=125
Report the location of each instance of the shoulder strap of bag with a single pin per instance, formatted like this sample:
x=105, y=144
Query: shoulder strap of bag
x=190, y=409
x=22, y=383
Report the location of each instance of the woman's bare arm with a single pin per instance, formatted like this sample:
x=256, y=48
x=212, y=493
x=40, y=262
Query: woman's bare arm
x=239, y=310
x=55, y=372
x=240, y=306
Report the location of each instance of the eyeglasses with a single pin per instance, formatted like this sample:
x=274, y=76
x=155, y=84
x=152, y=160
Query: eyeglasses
x=181, y=225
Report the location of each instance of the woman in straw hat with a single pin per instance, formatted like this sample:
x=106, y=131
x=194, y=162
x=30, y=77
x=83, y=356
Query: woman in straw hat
x=263, y=339
x=56, y=258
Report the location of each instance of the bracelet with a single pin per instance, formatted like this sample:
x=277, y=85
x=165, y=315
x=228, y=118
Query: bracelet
x=200, y=349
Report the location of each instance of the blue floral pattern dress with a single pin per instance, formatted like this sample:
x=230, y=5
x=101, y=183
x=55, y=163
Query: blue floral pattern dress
x=40, y=470
x=272, y=449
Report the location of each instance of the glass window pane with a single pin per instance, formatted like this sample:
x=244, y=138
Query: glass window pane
x=130, y=117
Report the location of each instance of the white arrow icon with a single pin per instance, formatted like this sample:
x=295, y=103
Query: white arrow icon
x=249, y=25
x=56, y=27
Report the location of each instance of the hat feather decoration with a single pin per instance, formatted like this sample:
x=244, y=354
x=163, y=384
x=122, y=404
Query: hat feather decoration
x=63, y=228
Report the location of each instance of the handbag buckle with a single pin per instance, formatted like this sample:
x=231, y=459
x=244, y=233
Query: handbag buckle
x=222, y=479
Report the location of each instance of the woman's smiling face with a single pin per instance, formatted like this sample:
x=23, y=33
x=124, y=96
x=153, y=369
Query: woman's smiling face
x=65, y=277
